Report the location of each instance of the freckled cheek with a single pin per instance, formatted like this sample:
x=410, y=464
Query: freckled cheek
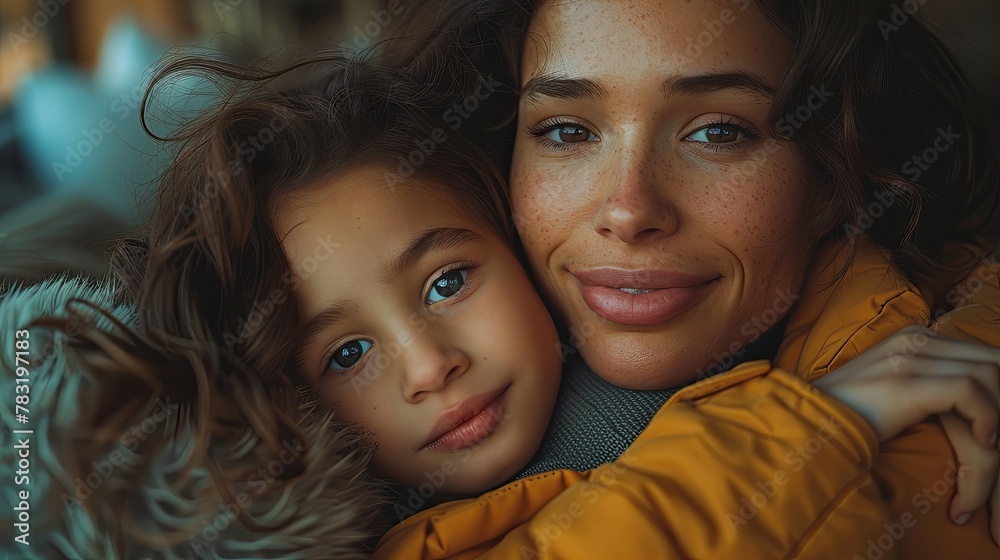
x=764, y=211
x=538, y=201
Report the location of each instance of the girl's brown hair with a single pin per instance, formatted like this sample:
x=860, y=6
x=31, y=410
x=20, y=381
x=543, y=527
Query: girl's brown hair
x=894, y=91
x=215, y=313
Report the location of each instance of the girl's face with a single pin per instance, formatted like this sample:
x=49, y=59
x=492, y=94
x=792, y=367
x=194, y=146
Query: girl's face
x=664, y=227
x=423, y=326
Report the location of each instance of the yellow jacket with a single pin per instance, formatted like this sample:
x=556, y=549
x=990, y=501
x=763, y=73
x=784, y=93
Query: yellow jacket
x=768, y=468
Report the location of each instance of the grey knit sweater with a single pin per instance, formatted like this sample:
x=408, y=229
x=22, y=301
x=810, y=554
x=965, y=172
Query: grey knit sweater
x=594, y=422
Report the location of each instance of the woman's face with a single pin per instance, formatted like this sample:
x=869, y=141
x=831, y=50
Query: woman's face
x=661, y=223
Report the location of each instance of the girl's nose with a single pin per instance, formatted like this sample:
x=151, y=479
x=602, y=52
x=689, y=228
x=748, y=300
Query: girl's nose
x=429, y=366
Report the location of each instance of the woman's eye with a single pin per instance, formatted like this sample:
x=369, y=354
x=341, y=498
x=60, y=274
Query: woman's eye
x=447, y=285
x=718, y=134
x=348, y=354
x=569, y=134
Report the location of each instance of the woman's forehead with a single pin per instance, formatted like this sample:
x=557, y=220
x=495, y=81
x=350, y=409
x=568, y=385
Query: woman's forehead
x=644, y=40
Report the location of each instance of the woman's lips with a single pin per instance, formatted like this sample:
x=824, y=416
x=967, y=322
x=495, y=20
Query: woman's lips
x=468, y=422
x=641, y=297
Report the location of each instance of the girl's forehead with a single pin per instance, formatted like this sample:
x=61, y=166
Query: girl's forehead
x=359, y=217
x=367, y=193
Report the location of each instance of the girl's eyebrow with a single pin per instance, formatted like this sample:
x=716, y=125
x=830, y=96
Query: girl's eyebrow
x=318, y=323
x=437, y=239
x=588, y=89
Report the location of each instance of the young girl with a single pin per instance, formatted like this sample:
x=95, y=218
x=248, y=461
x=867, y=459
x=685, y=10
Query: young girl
x=337, y=236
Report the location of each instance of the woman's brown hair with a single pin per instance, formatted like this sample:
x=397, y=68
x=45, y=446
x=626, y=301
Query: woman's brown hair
x=894, y=94
x=215, y=317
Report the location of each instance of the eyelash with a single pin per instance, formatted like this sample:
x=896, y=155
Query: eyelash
x=468, y=266
x=750, y=132
x=548, y=125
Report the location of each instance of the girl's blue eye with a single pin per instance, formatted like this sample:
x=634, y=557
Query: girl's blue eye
x=569, y=134
x=447, y=285
x=347, y=355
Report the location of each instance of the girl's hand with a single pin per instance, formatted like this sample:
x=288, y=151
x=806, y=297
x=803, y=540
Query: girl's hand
x=916, y=373
x=979, y=476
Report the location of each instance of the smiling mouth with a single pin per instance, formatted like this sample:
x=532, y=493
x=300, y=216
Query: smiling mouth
x=635, y=291
x=642, y=307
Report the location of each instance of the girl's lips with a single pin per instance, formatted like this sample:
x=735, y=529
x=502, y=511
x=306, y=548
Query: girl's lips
x=652, y=296
x=486, y=411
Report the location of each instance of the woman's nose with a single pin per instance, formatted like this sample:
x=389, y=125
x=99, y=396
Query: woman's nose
x=429, y=366
x=637, y=207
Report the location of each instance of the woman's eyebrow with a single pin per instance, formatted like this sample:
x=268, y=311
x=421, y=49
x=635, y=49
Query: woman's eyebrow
x=549, y=85
x=704, y=83
x=437, y=239
x=587, y=89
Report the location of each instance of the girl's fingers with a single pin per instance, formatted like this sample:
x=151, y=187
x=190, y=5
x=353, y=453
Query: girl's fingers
x=966, y=397
x=986, y=374
x=932, y=344
x=979, y=468
x=925, y=396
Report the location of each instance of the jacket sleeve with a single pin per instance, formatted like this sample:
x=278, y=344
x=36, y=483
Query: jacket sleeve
x=767, y=468
x=975, y=316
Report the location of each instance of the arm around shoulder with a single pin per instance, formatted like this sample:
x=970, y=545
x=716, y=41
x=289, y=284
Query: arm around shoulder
x=752, y=463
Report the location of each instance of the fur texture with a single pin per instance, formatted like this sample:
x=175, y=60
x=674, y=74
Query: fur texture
x=129, y=502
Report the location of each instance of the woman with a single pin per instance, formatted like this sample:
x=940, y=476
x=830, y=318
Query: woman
x=668, y=198
x=210, y=321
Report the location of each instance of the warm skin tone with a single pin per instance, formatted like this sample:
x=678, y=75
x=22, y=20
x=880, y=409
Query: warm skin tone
x=658, y=164
x=630, y=170
x=414, y=339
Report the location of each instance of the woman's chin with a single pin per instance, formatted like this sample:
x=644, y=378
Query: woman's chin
x=642, y=363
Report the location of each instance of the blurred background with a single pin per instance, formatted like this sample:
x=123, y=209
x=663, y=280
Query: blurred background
x=74, y=161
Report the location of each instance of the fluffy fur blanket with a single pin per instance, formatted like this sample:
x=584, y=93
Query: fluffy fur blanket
x=123, y=505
